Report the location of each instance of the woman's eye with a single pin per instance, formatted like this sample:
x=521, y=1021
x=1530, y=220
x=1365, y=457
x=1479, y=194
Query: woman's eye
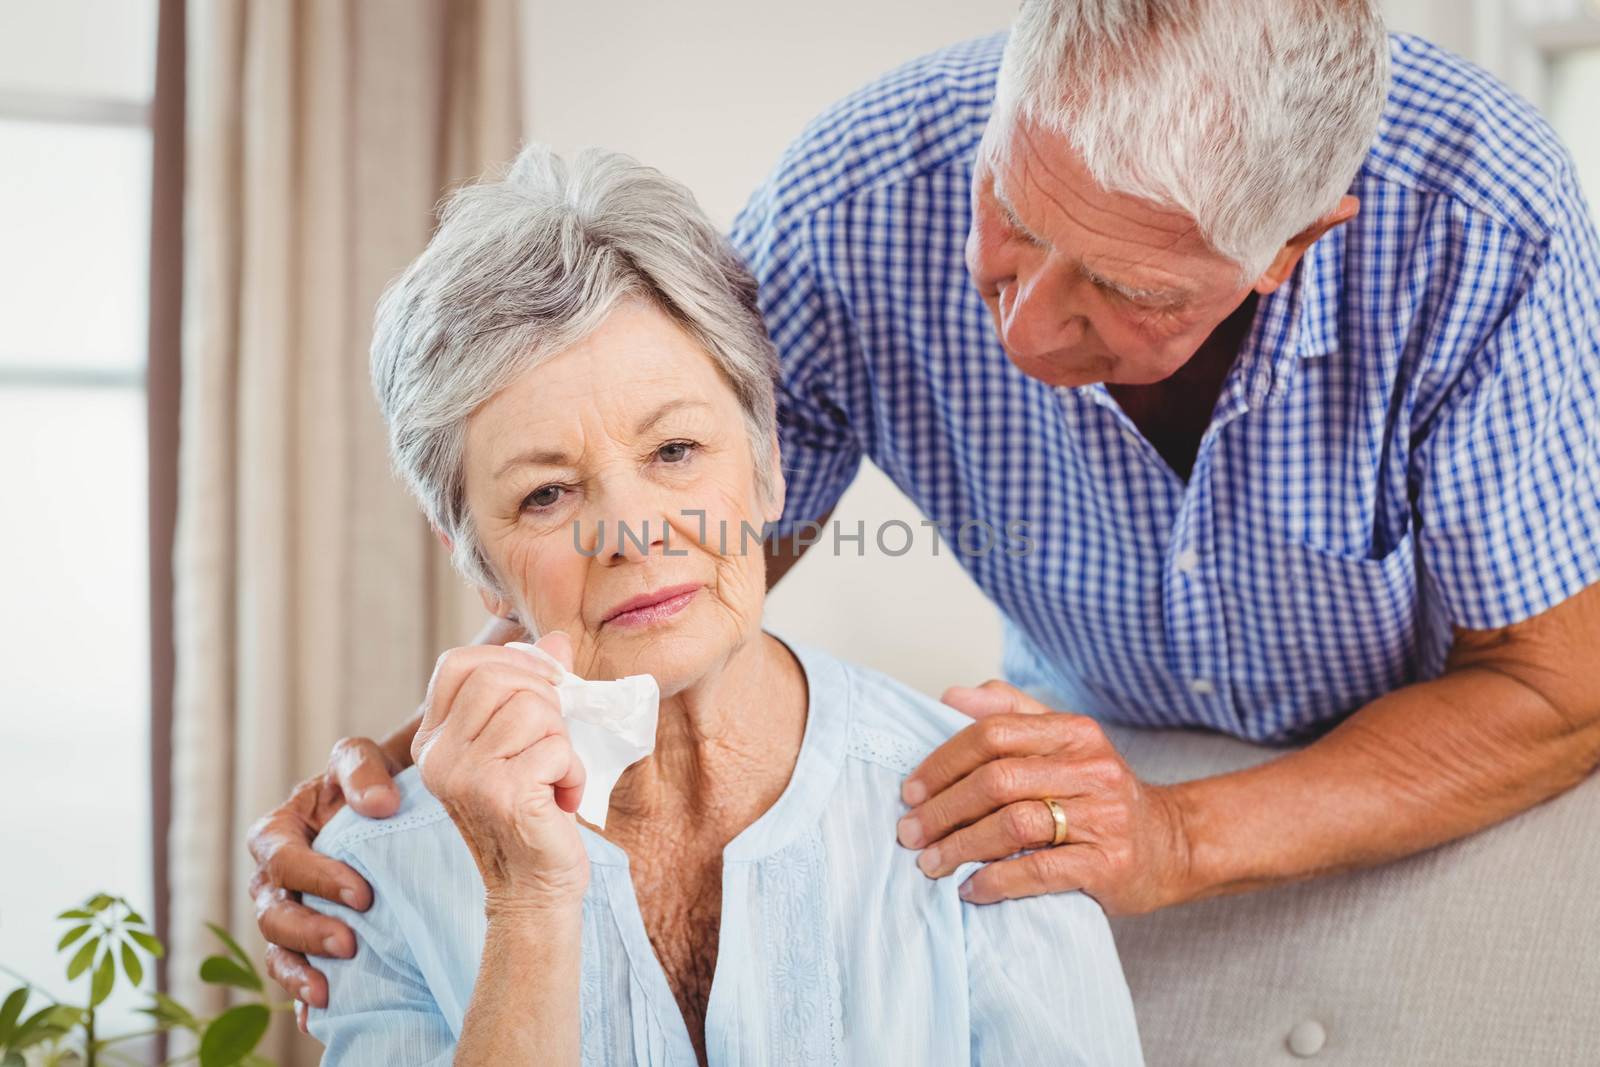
x=543, y=497
x=675, y=451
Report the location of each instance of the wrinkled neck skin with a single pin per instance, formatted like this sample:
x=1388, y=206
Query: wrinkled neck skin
x=725, y=750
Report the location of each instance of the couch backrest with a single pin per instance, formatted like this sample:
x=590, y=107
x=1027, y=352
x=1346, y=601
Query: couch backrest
x=1483, y=951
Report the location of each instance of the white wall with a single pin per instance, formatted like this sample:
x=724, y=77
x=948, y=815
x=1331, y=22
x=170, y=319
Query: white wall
x=711, y=91
x=1446, y=22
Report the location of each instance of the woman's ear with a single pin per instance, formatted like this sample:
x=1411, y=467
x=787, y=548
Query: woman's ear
x=495, y=604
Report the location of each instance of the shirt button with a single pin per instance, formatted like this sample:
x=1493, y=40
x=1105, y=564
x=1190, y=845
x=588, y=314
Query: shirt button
x=1307, y=1038
x=1188, y=560
x=1201, y=687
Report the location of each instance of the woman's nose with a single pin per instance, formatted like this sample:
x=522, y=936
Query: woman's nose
x=634, y=540
x=634, y=524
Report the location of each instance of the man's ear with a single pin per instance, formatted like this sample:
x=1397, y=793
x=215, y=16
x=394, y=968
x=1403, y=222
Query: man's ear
x=779, y=488
x=1289, y=255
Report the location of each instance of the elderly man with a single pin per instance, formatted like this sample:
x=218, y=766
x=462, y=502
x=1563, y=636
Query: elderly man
x=1283, y=337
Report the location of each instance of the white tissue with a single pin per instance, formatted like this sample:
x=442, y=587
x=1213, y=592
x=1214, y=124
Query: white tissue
x=612, y=726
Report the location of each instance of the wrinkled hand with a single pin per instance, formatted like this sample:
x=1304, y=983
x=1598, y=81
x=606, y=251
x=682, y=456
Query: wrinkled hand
x=360, y=772
x=493, y=748
x=979, y=797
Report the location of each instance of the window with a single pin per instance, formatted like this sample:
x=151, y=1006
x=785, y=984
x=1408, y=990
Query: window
x=1546, y=50
x=1574, y=91
x=1550, y=51
x=76, y=79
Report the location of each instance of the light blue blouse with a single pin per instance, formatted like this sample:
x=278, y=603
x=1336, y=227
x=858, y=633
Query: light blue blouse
x=834, y=948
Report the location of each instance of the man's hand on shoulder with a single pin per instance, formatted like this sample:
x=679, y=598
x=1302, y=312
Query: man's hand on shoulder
x=360, y=773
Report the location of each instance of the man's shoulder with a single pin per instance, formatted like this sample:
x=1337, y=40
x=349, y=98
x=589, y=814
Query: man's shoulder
x=420, y=815
x=924, y=115
x=1452, y=129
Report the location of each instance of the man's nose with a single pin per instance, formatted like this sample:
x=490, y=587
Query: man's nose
x=1038, y=315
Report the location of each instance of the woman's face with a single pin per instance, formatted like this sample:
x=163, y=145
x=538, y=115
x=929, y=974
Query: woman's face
x=618, y=473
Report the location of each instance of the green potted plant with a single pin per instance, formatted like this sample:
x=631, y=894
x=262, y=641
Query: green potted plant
x=108, y=942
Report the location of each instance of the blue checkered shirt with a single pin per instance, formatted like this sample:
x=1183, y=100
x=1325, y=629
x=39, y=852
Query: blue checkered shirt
x=1409, y=439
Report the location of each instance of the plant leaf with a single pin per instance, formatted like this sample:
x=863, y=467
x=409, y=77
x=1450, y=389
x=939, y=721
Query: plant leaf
x=105, y=976
x=168, y=1011
x=13, y=1059
x=65, y=1016
x=76, y=913
x=40, y=1036
x=10, y=1012
x=233, y=1035
x=81, y=961
x=36, y=1028
x=131, y=965
x=233, y=946
x=72, y=935
x=220, y=970
x=100, y=902
x=147, y=942
x=134, y=918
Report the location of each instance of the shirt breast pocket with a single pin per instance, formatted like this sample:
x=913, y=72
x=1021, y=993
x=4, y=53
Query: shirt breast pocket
x=1356, y=621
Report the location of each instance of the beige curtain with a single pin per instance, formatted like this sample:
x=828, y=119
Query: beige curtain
x=311, y=600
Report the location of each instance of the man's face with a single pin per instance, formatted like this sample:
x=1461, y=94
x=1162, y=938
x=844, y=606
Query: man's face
x=1087, y=285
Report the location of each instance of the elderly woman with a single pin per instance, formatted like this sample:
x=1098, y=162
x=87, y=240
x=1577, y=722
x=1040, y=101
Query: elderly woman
x=576, y=350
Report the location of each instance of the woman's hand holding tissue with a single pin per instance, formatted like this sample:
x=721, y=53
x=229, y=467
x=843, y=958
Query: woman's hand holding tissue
x=493, y=748
x=980, y=797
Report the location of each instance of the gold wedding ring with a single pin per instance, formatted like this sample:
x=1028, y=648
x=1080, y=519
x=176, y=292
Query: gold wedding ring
x=1059, y=817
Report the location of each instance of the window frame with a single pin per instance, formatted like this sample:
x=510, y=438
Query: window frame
x=74, y=109
x=163, y=394
x=158, y=378
x=1520, y=40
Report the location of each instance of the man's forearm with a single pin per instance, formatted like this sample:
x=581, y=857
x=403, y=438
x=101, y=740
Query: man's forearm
x=495, y=631
x=397, y=746
x=785, y=552
x=1421, y=766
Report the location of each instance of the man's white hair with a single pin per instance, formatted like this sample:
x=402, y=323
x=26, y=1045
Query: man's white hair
x=524, y=267
x=1251, y=116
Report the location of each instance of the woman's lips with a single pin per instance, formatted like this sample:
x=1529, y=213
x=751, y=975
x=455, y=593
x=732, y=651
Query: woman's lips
x=653, y=607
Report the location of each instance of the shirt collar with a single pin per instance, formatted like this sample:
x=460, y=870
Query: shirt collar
x=1298, y=321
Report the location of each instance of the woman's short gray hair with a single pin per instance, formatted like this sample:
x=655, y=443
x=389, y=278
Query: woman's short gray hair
x=1251, y=116
x=523, y=268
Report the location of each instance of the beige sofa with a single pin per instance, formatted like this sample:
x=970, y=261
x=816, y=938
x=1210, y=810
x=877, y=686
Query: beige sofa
x=1485, y=951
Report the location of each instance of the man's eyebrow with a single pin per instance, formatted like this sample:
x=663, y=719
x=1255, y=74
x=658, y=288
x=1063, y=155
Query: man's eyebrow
x=1012, y=218
x=1155, y=297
